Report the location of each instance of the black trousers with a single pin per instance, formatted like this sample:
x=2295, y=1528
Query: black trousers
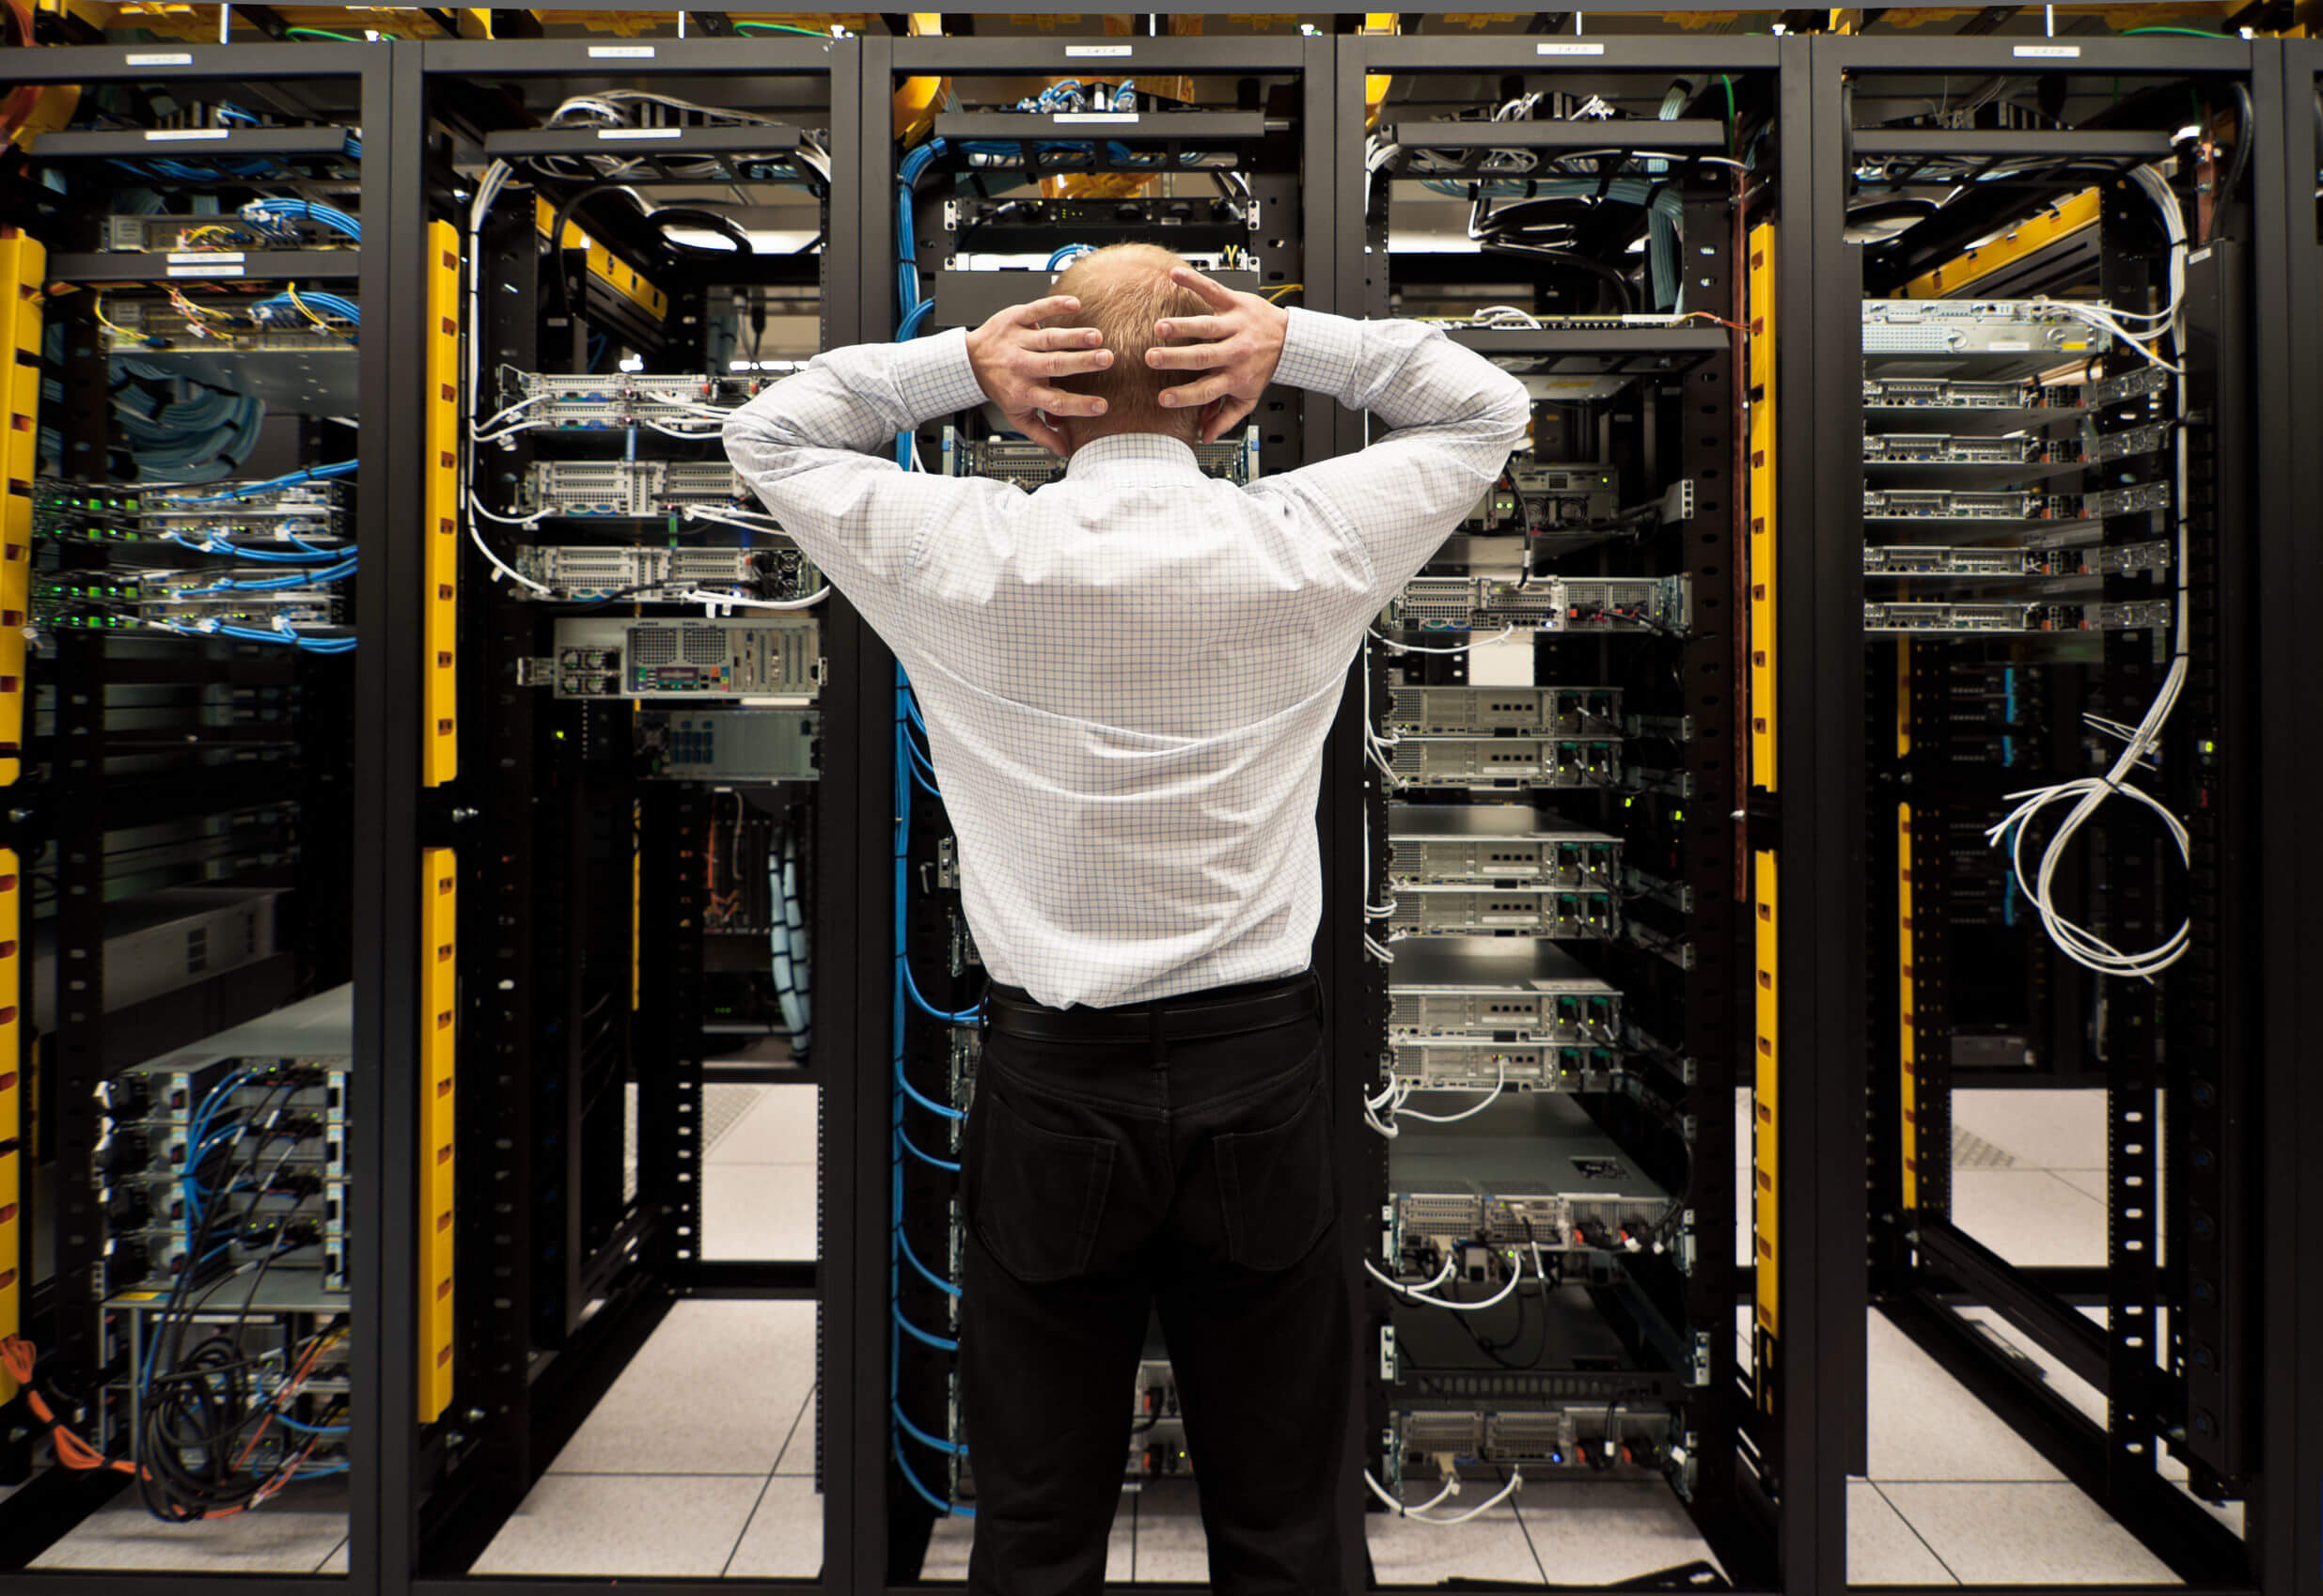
x=1192, y=1175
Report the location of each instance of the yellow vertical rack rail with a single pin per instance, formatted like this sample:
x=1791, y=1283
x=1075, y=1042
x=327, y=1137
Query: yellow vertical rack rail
x=1765, y=1227
x=439, y=745
x=23, y=264
x=439, y=1015
x=12, y=1101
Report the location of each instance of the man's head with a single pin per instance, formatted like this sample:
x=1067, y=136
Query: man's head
x=1123, y=290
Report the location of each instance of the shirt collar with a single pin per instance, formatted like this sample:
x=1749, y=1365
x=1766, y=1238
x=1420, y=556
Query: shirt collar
x=1132, y=454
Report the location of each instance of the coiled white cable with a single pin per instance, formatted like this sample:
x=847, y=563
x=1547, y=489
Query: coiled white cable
x=1451, y=1488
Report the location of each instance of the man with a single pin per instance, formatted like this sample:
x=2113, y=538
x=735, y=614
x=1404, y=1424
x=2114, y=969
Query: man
x=1128, y=679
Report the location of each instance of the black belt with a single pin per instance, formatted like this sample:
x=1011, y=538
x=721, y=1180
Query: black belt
x=1223, y=1011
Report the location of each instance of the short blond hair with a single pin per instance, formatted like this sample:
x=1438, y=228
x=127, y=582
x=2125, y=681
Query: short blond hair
x=1123, y=290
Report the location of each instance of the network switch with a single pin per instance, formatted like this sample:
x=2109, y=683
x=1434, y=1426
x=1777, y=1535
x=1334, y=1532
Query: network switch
x=1480, y=1064
x=1505, y=763
x=1943, y=504
x=628, y=489
x=1499, y=987
x=1531, y=1169
x=621, y=399
x=1495, y=842
x=777, y=658
x=1587, y=1438
x=1536, y=711
x=1559, y=497
x=1946, y=449
x=1978, y=327
x=1437, y=909
x=214, y=513
x=656, y=575
x=1943, y=393
x=1548, y=604
x=2015, y=616
x=2093, y=560
x=731, y=745
x=1030, y=465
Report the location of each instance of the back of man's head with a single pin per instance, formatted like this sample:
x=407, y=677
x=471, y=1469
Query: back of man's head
x=1123, y=290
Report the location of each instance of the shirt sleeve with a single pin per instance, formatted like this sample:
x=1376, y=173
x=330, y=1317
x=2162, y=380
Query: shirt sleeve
x=801, y=447
x=1456, y=417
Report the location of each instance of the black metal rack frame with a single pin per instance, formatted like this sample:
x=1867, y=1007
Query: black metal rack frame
x=1815, y=820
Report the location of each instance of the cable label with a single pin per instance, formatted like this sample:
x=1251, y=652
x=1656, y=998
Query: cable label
x=160, y=58
x=1061, y=118
x=220, y=269
x=174, y=136
x=639, y=132
x=205, y=257
x=1568, y=48
x=2065, y=51
x=1097, y=49
x=620, y=51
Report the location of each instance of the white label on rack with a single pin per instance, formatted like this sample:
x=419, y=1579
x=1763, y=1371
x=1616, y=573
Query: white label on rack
x=1063, y=117
x=1097, y=49
x=223, y=269
x=639, y=132
x=2198, y=258
x=2002, y=345
x=620, y=51
x=174, y=135
x=1568, y=48
x=158, y=59
x=203, y=257
x=2062, y=52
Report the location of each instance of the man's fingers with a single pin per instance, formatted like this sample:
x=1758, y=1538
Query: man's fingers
x=1191, y=358
x=1058, y=402
x=1216, y=293
x=1042, y=310
x=1047, y=437
x=1229, y=417
x=1069, y=363
x=1194, y=394
x=1063, y=337
x=1196, y=327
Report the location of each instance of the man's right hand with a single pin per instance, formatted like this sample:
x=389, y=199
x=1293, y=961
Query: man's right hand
x=1239, y=346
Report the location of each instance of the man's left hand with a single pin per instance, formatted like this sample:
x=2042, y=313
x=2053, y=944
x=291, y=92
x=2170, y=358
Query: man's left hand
x=1017, y=362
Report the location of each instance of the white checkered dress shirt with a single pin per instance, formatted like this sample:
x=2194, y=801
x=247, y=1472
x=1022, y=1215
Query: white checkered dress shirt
x=1128, y=675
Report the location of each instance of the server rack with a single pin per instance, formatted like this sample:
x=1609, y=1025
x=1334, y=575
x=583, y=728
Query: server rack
x=1878, y=859
x=1666, y=409
x=1262, y=101
x=142, y=750
x=590, y=851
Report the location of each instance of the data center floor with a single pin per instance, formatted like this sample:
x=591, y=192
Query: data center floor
x=1952, y=1495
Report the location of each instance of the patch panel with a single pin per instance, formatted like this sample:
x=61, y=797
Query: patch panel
x=135, y=326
